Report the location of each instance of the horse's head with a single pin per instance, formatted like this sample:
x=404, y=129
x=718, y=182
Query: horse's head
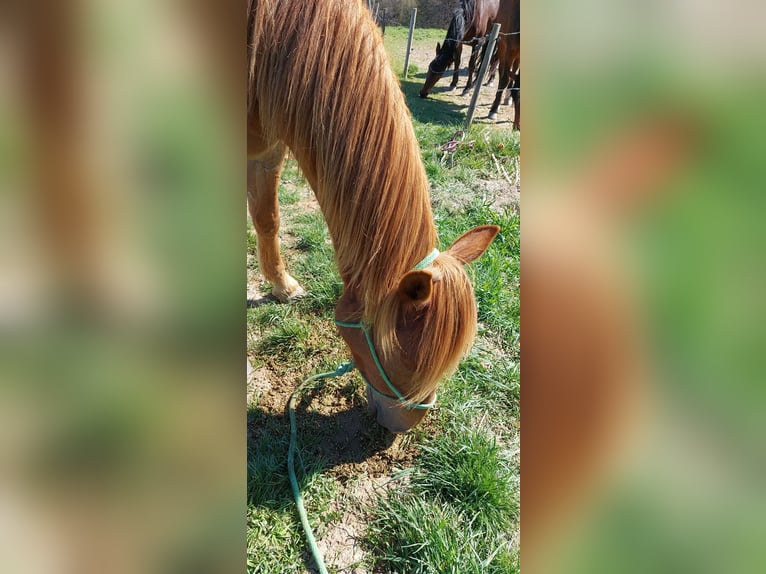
x=419, y=332
x=437, y=68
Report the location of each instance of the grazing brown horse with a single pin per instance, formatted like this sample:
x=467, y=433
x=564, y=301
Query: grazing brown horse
x=509, y=57
x=471, y=20
x=407, y=312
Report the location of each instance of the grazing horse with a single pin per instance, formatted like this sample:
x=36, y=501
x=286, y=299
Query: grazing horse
x=509, y=57
x=471, y=20
x=407, y=311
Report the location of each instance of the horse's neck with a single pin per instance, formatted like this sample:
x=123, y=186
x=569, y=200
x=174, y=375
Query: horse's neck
x=342, y=112
x=362, y=270
x=397, y=230
x=456, y=29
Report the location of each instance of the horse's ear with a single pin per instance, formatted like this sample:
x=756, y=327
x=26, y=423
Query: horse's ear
x=469, y=246
x=438, y=48
x=416, y=287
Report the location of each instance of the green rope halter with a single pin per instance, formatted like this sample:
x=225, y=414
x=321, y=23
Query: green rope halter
x=425, y=262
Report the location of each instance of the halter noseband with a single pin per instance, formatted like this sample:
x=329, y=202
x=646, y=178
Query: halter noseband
x=425, y=262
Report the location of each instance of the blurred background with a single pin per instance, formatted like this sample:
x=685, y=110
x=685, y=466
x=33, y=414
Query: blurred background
x=122, y=287
x=122, y=301
x=643, y=278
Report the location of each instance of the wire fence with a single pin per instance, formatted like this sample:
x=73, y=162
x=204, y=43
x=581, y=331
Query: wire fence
x=491, y=38
x=471, y=41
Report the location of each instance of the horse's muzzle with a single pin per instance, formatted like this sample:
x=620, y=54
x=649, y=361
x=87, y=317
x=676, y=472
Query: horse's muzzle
x=391, y=415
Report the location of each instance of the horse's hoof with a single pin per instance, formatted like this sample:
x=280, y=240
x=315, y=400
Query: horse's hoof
x=451, y=88
x=466, y=92
x=289, y=292
x=423, y=94
x=492, y=116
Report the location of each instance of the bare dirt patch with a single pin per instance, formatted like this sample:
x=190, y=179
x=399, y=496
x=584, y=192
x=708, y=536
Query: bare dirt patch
x=258, y=383
x=500, y=192
x=308, y=204
x=341, y=542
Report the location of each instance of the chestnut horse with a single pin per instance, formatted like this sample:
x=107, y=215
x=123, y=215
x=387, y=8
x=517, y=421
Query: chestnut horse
x=407, y=311
x=509, y=57
x=471, y=20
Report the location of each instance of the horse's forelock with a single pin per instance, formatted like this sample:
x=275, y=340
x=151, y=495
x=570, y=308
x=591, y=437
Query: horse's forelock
x=447, y=326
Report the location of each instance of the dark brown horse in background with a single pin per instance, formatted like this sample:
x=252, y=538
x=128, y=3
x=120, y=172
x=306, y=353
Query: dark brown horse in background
x=471, y=20
x=509, y=57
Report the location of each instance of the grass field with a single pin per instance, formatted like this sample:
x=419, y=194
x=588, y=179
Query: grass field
x=444, y=498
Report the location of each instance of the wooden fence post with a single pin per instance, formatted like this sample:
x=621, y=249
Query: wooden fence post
x=480, y=78
x=413, y=14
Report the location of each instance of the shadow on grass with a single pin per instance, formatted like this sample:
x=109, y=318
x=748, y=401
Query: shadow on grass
x=432, y=110
x=325, y=441
x=265, y=299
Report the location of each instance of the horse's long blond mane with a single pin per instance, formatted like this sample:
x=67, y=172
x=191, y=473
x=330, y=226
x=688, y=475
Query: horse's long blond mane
x=320, y=80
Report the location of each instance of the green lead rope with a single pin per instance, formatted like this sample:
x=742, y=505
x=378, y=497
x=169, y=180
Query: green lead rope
x=341, y=370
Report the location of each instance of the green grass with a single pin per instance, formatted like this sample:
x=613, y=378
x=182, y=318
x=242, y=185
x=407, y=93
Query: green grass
x=495, y=276
x=485, y=384
x=288, y=340
x=268, y=315
x=273, y=542
x=420, y=535
x=317, y=268
x=458, y=512
x=395, y=41
x=456, y=507
x=466, y=468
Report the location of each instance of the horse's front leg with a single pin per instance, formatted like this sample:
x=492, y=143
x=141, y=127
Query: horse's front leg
x=517, y=102
x=477, y=55
x=471, y=66
x=456, y=60
x=505, y=76
x=514, y=85
x=262, y=183
x=505, y=80
x=492, y=70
